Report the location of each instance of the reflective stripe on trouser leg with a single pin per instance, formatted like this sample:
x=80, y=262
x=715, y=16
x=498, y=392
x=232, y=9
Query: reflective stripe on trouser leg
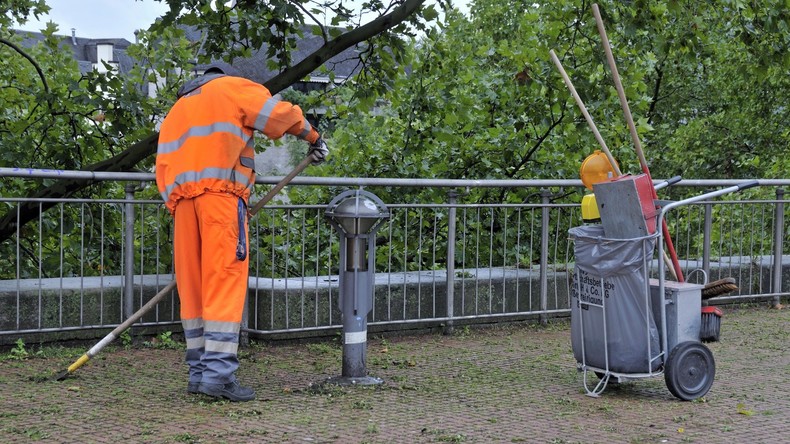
x=220, y=358
x=193, y=332
x=224, y=284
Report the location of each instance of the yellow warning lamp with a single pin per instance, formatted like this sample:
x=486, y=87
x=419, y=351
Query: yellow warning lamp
x=595, y=168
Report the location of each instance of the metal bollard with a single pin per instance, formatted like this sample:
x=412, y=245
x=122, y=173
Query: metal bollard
x=356, y=215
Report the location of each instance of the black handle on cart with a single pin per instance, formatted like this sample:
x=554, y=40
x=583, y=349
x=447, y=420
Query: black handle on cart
x=673, y=180
x=667, y=183
x=749, y=184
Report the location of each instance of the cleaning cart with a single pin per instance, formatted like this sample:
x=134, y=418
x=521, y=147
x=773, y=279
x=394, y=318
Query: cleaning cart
x=625, y=325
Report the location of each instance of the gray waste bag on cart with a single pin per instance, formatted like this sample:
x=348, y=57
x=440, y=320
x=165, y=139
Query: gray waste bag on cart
x=614, y=269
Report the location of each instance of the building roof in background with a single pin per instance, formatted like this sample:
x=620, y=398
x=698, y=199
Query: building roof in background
x=84, y=49
x=255, y=67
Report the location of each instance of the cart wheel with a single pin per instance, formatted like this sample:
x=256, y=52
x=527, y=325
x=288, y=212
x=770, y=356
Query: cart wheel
x=690, y=370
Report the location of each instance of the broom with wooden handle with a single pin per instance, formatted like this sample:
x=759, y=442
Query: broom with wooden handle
x=172, y=285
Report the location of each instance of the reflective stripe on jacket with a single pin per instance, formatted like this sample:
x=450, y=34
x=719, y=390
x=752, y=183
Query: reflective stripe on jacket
x=206, y=140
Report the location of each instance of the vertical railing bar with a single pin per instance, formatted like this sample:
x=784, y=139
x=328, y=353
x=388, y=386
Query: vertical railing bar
x=272, y=274
x=763, y=240
x=722, y=228
x=518, y=258
x=544, y=250
x=731, y=245
x=706, y=239
x=101, y=268
x=504, y=261
x=389, y=268
x=491, y=215
x=419, y=263
x=568, y=254
x=329, y=273
x=142, y=261
x=82, y=264
x=738, y=209
x=751, y=246
x=452, y=222
x=478, y=222
x=700, y=231
x=288, y=216
x=463, y=264
x=433, y=261
x=128, y=263
x=304, y=246
x=688, y=210
x=257, y=267
x=18, y=269
x=61, y=206
x=40, y=264
x=778, y=243
x=405, y=258
x=555, y=255
x=316, y=302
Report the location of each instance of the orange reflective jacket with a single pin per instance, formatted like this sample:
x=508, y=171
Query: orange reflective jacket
x=206, y=140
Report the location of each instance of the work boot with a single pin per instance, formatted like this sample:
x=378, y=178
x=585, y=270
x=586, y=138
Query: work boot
x=193, y=387
x=232, y=391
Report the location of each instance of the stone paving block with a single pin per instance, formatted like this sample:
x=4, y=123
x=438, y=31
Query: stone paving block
x=506, y=384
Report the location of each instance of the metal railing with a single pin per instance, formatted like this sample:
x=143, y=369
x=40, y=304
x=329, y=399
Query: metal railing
x=86, y=264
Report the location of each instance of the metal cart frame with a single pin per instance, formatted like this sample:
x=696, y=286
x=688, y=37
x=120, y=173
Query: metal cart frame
x=687, y=364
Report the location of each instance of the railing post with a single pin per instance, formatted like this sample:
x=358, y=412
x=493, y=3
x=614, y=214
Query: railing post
x=128, y=263
x=706, y=235
x=451, y=228
x=544, y=254
x=779, y=218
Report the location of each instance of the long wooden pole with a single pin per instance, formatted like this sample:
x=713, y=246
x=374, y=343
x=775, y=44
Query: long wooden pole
x=678, y=272
x=584, y=111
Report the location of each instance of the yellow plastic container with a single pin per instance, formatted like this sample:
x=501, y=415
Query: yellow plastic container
x=590, y=213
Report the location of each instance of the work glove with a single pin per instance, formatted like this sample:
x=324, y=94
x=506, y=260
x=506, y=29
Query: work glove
x=319, y=150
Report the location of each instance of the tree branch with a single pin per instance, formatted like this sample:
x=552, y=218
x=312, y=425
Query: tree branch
x=130, y=157
x=30, y=59
x=341, y=43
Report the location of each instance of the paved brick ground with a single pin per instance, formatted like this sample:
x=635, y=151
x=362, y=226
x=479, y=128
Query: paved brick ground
x=501, y=385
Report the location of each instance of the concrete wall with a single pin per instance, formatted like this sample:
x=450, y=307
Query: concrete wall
x=74, y=308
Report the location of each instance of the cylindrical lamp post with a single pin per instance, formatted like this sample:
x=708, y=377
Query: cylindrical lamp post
x=356, y=215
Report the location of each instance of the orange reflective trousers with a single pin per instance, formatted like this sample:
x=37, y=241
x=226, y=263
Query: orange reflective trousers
x=212, y=283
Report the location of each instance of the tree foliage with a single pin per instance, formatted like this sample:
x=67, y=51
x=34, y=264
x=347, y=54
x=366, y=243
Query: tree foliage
x=106, y=122
x=706, y=82
x=474, y=97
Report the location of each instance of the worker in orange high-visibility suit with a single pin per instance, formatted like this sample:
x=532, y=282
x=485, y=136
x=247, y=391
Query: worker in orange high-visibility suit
x=204, y=172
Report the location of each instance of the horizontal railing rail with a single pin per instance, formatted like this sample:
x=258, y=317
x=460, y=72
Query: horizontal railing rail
x=84, y=265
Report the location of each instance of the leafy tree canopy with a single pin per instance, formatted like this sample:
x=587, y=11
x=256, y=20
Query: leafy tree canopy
x=706, y=82
x=102, y=121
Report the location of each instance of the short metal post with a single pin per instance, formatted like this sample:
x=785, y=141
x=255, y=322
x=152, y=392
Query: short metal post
x=779, y=223
x=544, y=255
x=451, y=228
x=356, y=215
x=128, y=265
